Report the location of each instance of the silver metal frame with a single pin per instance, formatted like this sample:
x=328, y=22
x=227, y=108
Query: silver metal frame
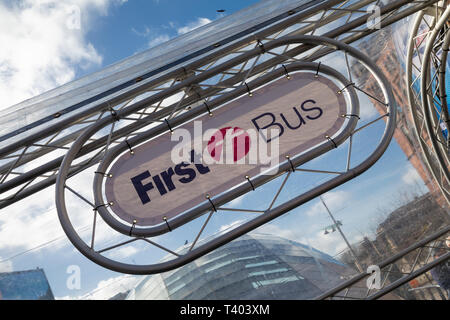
x=268, y=215
x=425, y=122
x=344, y=291
x=17, y=183
x=255, y=181
x=61, y=135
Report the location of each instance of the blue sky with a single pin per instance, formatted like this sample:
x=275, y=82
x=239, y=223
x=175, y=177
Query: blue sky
x=111, y=31
x=138, y=24
x=131, y=27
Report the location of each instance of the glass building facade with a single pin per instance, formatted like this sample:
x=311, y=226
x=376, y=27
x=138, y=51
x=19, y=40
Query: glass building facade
x=25, y=285
x=255, y=266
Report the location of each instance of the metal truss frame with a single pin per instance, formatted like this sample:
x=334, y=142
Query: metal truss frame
x=429, y=108
x=422, y=262
x=328, y=144
x=22, y=171
x=214, y=204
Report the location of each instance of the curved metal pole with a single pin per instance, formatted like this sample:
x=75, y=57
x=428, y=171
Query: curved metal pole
x=383, y=264
x=389, y=11
x=262, y=219
x=394, y=285
x=224, y=198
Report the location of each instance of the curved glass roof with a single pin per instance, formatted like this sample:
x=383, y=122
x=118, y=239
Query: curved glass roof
x=255, y=266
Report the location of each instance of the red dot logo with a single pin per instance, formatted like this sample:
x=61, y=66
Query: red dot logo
x=237, y=136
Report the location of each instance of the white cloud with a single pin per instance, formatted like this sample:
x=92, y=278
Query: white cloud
x=333, y=200
x=5, y=266
x=27, y=225
x=107, y=289
x=43, y=42
x=367, y=110
x=411, y=176
x=45, y=46
x=237, y=202
x=124, y=252
x=158, y=40
x=193, y=25
x=232, y=225
x=33, y=223
x=144, y=33
x=280, y=232
x=330, y=243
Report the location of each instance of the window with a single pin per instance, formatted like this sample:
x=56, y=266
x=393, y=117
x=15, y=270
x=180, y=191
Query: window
x=258, y=284
x=260, y=273
x=264, y=263
x=171, y=281
x=213, y=259
x=219, y=265
x=172, y=291
x=246, y=258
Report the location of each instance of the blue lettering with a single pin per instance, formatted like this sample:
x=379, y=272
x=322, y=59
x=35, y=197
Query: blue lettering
x=190, y=173
x=312, y=109
x=160, y=185
x=268, y=119
x=302, y=121
x=142, y=189
x=167, y=177
x=164, y=181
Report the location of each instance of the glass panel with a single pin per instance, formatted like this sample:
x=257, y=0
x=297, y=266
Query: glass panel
x=31, y=116
x=258, y=284
x=259, y=273
x=265, y=263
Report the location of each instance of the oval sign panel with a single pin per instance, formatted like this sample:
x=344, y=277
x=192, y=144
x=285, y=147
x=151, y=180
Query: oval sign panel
x=246, y=137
